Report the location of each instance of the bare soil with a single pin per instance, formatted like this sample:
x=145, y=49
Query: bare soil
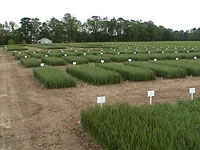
x=35, y=118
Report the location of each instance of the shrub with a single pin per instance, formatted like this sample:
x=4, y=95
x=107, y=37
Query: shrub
x=53, y=78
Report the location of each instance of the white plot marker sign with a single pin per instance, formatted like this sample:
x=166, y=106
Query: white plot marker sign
x=150, y=95
x=101, y=100
x=74, y=63
x=41, y=64
x=129, y=60
x=102, y=61
x=25, y=56
x=192, y=91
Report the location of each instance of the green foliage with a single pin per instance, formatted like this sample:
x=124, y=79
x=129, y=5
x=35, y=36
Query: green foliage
x=48, y=46
x=97, y=59
x=129, y=72
x=54, y=61
x=30, y=62
x=11, y=42
x=37, y=55
x=191, y=68
x=94, y=75
x=164, y=71
x=161, y=126
x=53, y=78
x=20, y=55
x=14, y=48
x=78, y=60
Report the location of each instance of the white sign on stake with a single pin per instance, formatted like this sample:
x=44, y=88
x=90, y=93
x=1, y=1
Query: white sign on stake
x=129, y=60
x=46, y=55
x=25, y=56
x=41, y=64
x=177, y=58
x=101, y=53
x=163, y=52
x=155, y=60
x=65, y=54
x=74, y=63
x=118, y=53
x=84, y=53
x=134, y=52
x=192, y=91
x=101, y=100
x=102, y=61
x=150, y=95
x=195, y=57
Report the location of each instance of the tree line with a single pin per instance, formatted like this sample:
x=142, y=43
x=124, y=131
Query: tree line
x=94, y=29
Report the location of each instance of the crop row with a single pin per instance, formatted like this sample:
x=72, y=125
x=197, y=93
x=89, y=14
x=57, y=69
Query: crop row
x=53, y=78
x=161, y=126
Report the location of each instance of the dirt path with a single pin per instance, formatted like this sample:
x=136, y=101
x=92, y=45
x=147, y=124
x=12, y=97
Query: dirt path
x=35, y=118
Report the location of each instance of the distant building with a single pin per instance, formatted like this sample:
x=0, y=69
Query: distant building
x=45, y=41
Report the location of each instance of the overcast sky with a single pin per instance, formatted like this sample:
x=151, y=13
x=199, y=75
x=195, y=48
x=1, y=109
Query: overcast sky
x=174, y=14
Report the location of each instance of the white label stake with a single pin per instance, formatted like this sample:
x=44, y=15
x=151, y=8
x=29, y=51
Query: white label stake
x=192, y=91
x=41, y=64
x=150, y=95
x=102, y=61
x=101, y=100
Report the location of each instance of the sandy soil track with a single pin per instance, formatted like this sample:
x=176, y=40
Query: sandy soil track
x=35, y=118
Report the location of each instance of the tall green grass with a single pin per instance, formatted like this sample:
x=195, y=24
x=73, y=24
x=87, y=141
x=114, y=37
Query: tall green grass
x=94, y=75
x=30, y=62
x=15, y=48
x=157, y=127
x=191, y=68
x=20, y=55
x=129, y=72
x=164, y=71
x=78, y=60
x=54, y=61
x=37, y=55
x=97, y=59
x=52, y=77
